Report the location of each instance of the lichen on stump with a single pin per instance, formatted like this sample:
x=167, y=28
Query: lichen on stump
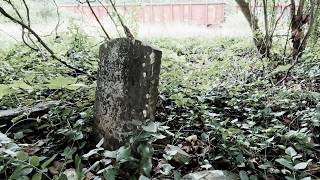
x=127, y=88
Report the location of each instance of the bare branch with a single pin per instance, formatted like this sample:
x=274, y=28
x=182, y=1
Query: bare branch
x=22, y=20
x=3, y=12
x=94, y=14
x=9, y=35
x=29, y=25
x=110, y=16
x=278, y=20
x=125, y=28
x=28, y=12
x=58, y=14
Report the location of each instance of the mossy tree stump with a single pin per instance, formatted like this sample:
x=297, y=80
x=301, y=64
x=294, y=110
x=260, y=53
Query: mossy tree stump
x=127, y=88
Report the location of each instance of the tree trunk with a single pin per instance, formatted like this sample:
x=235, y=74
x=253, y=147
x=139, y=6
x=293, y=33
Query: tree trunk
x=260, y=42
x=127, y=83
x=299, y=19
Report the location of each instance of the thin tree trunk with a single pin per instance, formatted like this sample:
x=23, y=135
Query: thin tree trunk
x=258, y=38
x=266, y=23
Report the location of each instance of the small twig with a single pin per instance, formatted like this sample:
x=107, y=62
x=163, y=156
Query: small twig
x=278, y=20
x=28, y=12
x=9, y=35
x=288, y=71
x=125, y=28
x=21, y=19
x=29, y=25
x=110, y=16
x=28, y=119
x=39, y=170
x=96, y=17
x=58, y=14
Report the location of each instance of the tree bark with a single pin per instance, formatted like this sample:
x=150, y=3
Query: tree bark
x=260, y=42
x=301, y=18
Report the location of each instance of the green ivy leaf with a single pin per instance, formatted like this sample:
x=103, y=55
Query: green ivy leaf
x=2, y=168
x=146, y=166
x=17, y=172
x=68, y=152
x=4, y=90
x=34, y=161
x=79, y=167
x=142, y=177
x=159, y=136
x=76, y=86
x=301, y=166
x=123, y=154
x=291, y=152
x=92, y=152
x=21, y=172
x=37, y=176
x=18, y=135
x=285, y=163
x=21, y=85
x=46, y=163
x=243, y=175
x=110, y=174
x=61, y=82
x=145, y=150
x=151, y=127
x=74, y=135
x=176, y=175
x=110, y=154
x=22, y=156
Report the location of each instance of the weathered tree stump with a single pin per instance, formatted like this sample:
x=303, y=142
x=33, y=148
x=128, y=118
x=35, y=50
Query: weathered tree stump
x=127, y=88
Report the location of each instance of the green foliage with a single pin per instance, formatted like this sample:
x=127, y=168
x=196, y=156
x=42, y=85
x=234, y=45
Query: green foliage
x=215, y=90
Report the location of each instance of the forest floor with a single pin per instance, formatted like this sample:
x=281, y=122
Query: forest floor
x=220, y=107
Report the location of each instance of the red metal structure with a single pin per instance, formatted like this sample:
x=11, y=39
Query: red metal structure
x=208, y=14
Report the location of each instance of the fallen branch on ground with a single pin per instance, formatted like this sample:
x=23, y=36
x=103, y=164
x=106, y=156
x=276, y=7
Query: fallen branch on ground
x=31, y=112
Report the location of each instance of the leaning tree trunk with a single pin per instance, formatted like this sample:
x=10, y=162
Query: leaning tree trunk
x=262, y=44
x=127, y=88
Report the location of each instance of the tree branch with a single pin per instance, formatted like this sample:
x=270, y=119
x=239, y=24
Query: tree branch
x=96, y=17
x=29, y=25
x=278, y=20
x=110, y=16
x=58, y=14
x=21, y=19
x=3, y=12
x=125, y=28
